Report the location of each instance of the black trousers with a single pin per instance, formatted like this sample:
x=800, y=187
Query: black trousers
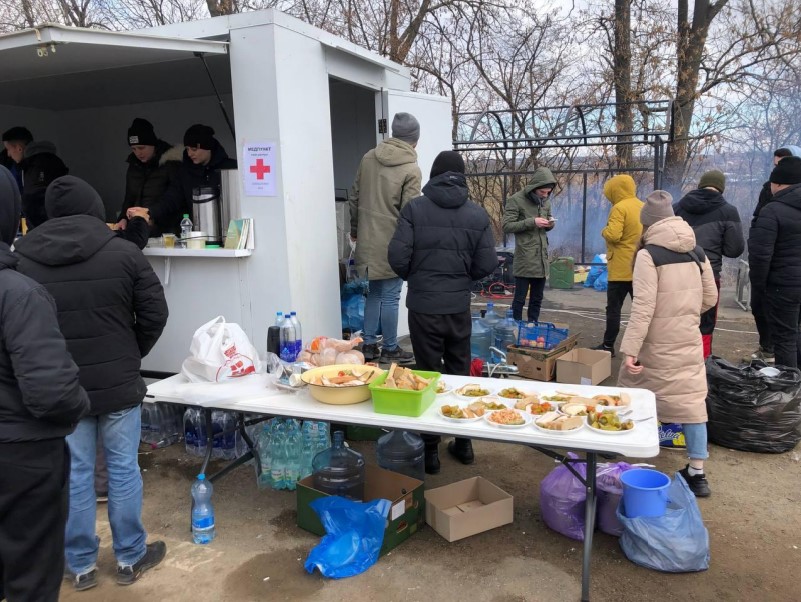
x=784, y=307
x=615, y=297
x=760, y=308
x=34, y=502
x=522, y=286
x=441, y=343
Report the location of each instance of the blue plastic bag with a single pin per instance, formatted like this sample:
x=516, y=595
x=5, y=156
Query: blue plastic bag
x=354, y=536
x=595, y=273
x=677, y=542
x=352, y=311
x=602, y=282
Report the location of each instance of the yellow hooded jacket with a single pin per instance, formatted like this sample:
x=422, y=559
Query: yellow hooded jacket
x=623, y=229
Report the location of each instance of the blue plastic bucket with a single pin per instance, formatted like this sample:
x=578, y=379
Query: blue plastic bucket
x=644, y=492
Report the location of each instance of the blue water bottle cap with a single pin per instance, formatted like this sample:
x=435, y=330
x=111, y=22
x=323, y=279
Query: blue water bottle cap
x=294, y=313
x=201, y=477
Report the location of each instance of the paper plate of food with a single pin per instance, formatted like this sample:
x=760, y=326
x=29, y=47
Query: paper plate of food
x=443, y=388
x=613, y=402
x=473, y=391
x=578, y=406
x=536, y=407
x=609, y=423
x=508, y=418
x=515, y=393
x=558, y=396
x=455, y=413
x=558, y=424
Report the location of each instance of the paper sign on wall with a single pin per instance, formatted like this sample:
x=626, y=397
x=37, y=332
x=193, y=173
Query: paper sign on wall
x=259, y=169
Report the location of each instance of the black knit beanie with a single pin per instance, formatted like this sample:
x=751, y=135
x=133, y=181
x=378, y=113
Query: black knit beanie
x=18, y=134
x=787, y=171
x=199, y=135
x=141, y=133
x=447, y=161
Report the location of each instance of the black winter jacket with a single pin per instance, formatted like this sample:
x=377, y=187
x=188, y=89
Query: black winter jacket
x=147, y=183
x=178, y=197
x=765, y=195
x=774, y=243
x=40, y=166
x=40, y=396
x=716, y=223
x=443, y=242
x=111, y=305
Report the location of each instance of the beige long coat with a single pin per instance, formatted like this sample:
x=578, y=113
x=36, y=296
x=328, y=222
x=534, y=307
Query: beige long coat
x=663, y=330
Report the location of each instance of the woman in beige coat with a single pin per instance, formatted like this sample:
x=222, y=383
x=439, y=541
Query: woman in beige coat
x=673, y=286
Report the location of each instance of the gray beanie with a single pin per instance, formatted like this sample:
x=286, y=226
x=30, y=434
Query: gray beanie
x=405, y=127
x=658, y=206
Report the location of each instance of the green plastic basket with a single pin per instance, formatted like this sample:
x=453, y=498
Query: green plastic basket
x=401, y=402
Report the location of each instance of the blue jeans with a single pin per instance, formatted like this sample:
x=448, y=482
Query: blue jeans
x=381, y=306
x=695, y=438
x=120, y=433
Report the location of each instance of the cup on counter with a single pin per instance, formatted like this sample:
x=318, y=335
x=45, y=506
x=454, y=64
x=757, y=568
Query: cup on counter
x=168, y=240
x=196, y=241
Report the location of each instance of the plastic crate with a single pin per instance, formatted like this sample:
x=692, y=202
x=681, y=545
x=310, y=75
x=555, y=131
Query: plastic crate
x=540, y=335
x=402, y=402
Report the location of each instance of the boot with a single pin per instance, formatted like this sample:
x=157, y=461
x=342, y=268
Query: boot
x=462, y=450
x=432, y=458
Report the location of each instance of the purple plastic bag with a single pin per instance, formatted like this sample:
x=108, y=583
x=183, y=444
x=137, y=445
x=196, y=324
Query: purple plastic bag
x=610, y=491
x=563, y=500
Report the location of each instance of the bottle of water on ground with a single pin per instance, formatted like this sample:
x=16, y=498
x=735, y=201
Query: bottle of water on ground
x=294, y=452
x=195, y=432
x=264, y=448
x=279, y=456
x=505, y=334
x=288, y=340
x=202, y=511
x=186, y=230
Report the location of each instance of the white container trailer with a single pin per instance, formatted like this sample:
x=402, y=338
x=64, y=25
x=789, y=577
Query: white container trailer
x=319, y=101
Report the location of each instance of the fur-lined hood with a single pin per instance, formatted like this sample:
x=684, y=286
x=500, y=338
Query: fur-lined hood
x=165, y=152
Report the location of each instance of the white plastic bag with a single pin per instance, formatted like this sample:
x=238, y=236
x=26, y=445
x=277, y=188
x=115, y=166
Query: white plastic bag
x=220, y=351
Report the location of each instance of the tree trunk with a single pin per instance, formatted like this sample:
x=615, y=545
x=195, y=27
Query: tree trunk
x=218, y=8
x=690, y=49
x=622, y=74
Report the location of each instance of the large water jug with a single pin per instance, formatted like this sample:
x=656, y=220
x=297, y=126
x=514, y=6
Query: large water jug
x=480, y=339
x=505, y=334
x=339, y=470
x=491, y=320
x=403, y=452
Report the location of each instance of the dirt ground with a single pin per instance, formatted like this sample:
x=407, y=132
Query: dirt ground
x=753, y=517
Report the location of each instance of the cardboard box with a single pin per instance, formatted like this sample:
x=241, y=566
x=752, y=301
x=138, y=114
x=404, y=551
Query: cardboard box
x=584, y=367
x=468, y=507
x=538, y=364
x=406, y=515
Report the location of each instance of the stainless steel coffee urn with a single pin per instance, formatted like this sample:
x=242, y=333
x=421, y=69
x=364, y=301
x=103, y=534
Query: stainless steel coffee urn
x=211, y=207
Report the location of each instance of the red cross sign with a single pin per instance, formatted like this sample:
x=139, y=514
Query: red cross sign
x=260, y=169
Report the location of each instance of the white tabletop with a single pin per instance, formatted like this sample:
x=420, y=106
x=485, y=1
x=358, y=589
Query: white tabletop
x=641, y=442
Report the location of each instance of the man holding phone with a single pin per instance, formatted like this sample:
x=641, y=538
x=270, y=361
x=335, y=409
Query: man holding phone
x=527, y=215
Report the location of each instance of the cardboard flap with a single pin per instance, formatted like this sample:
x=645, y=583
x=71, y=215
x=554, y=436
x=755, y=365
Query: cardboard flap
x=385, y=484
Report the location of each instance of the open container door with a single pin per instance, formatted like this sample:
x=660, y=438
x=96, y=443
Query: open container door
x=436, y=123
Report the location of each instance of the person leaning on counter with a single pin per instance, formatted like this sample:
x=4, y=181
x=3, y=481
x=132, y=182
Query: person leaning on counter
x=203, y=159
x=152, y=165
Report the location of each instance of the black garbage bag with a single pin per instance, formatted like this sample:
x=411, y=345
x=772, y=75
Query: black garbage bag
x=752, y=412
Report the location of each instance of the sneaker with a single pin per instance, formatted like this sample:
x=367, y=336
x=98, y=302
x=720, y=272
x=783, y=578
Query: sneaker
x=126, y=575
x=698, y=483
x=370, y=352
x=82, y=582
x=102, y=496
x=397, y=355
x=765, y=356
x=603, y=347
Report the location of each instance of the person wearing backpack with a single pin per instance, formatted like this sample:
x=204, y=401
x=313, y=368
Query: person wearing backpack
x=673, y=285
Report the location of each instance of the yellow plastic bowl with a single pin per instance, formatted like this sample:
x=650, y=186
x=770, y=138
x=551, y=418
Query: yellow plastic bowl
x=338, y=395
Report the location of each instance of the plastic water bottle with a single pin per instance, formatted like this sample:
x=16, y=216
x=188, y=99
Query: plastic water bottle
x=202, y=511
x=195, y=432
x=505, y=334
x=279, y=456
x=298, y=333
x=186, y=230
x=149, y=423
x=264, y=447
x=480, y=339
x=294, y=448
x=288, y=340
